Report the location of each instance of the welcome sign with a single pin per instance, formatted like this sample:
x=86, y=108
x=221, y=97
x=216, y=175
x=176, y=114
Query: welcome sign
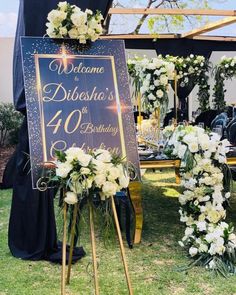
x=77, y=98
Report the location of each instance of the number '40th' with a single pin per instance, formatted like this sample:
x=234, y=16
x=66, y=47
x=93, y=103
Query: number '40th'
x=57, y=121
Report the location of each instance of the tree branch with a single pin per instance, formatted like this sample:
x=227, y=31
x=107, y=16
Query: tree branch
x=143, y=18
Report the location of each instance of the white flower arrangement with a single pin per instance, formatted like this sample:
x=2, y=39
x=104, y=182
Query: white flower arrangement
x=152, y=77
x=226, y=69
x=207, y=237
x=84, y=174
x=69, y=21
x=193, y=69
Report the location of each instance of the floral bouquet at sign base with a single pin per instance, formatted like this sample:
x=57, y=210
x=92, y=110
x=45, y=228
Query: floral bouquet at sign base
x=85, y=174
x=69, y=21
x=208, y=238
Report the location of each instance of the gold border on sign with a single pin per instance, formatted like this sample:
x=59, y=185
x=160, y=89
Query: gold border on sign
x=40, y=96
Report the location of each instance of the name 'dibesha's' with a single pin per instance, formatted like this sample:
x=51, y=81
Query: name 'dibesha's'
x=67, y=67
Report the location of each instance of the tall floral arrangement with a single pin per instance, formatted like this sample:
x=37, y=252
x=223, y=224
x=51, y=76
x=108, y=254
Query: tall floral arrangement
x=69, y=21
x=152, y=76
x=208, y=238
x=226, y=69
x=192, y=70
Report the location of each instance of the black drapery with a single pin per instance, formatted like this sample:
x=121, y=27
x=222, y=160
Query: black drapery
x=32, y=228
x=182, y=47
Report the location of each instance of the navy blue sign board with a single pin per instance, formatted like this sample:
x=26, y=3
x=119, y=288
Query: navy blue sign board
x=77, y=97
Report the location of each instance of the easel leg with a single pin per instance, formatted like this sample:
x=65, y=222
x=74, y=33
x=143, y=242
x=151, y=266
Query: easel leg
x=93, y=249
x=136, y=199
x=72, y=238
x=122, y=250
x=63, y=269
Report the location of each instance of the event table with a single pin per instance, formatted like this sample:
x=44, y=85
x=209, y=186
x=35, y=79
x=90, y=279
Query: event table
x=135, y=188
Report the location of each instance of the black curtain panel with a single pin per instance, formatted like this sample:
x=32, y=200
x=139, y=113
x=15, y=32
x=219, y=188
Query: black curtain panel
x=32, y=227
x=182, y=47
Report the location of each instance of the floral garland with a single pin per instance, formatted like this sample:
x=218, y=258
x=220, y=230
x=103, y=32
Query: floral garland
x=225, y=70
x=83, y=175
x=194, y=70
x=151, y=77
x=69, y=21
x=208, y=239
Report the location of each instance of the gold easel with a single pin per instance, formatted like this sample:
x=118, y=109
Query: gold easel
x=91, y=219
x=63, y=268
x=140, y=117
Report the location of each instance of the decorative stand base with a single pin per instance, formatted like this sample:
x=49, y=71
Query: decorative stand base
x=91, y=219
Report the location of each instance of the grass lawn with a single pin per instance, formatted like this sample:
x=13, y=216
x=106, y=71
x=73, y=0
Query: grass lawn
x=152, y=264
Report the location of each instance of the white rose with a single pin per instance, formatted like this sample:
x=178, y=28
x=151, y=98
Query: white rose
x=71, y=198
x=56, y=17
x=63, y=31
x=100, y=179
x=73, y=33
x=99, y=165
x=72, y=153
x=151, y=96
x=188, y=231
x=79, y=18
x=63, y=5
x=124, y=181
x=63, y=169
x=109, y=188
x=164, y=80
x=82, y=39
x=103, y=155
x=113, y=173
x=82, y=30
x=201, y=225
x=159, y=93
x=50, y=30
x=84, y=159
x=193, y=147
x=93, y=23
x=193, y=251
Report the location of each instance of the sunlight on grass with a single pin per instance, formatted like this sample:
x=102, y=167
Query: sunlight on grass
x=171, y=192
